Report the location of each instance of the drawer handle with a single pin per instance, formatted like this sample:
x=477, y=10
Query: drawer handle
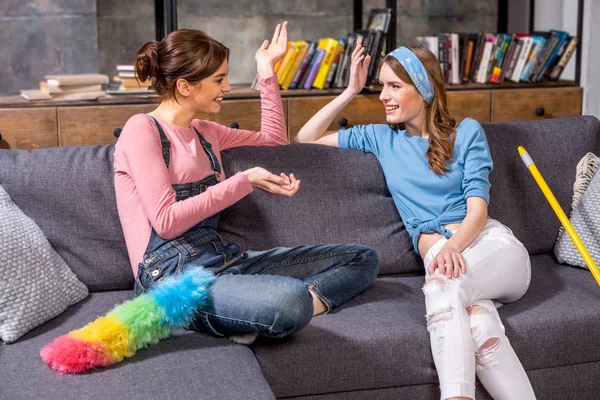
x=234, y=125
x=117, y=132
x=540, y=111
x=342, y=122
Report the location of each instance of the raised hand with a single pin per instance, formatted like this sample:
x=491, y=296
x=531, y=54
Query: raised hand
x=358, y=69
x=270, y=52
x=270, y=183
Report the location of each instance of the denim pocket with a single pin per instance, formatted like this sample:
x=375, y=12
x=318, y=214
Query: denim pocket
x=156, y=269
x=142, y=280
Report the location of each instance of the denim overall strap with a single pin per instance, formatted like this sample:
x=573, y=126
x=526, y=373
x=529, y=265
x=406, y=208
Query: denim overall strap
x=164, y=142
x=214, y=162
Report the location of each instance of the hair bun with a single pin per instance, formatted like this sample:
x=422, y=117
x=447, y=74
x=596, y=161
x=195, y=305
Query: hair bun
x=146, y=62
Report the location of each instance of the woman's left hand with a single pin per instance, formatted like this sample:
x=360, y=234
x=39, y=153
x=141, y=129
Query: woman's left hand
x=449, y=261
x=269, y=53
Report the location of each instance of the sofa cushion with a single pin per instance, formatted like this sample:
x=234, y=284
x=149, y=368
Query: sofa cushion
x=69, y=193
x=342, y=199
x=556, y=146
x=585, y=219
x=379, y=339
x=188, y=365
x=35, y=283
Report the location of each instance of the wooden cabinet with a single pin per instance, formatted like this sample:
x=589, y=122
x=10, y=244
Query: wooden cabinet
x=542, y=103
x=95, y=125
x=364, y=109
x=243, y=114
x=81, y=126
x=28, y=128
x=472, y=103
x=72, y=124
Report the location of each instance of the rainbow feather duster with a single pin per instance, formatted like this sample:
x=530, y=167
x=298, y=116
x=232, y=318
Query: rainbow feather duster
x=132, y=325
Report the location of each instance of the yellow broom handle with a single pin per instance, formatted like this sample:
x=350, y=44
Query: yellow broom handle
x=560, y=213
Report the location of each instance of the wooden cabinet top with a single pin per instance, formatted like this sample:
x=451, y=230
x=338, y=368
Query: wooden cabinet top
x=243, y=91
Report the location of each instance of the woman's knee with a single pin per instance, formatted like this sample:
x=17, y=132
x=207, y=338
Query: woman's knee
x=442, y=298
x=487, y=332
x=370, y=261
x=289, y=311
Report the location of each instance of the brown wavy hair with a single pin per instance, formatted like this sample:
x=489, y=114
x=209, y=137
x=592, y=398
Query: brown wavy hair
x=438, y=122
x=183, y=54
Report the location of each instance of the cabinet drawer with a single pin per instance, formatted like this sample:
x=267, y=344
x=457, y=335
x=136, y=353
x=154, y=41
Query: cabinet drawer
x=524, y=104
x=473, y=104
x=244, y=114
x=365, y=109
x=87, y=126
x=28, y=129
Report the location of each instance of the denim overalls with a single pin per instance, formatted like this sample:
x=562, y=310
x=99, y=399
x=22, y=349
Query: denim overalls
x=255, y=291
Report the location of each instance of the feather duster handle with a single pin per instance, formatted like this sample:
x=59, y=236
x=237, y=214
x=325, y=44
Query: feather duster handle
x=133, y=325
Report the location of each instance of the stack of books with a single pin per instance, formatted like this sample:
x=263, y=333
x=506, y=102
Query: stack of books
x=68, y=87
x=126, y=83
x=494, y=58
x=325, y=63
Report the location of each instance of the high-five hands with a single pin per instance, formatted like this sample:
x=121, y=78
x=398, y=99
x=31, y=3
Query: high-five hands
x=358, y=69
x=270, y=52
x=281, y=184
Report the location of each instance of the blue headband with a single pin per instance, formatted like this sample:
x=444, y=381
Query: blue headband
x=416, y=71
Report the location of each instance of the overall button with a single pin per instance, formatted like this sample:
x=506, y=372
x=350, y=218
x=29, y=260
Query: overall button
x=156, y=272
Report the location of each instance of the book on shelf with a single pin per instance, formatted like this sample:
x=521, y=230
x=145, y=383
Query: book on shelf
x=132, y=83
x=521, y=57
x=301, y=70
x=499, y=57
x=35, y=95
x=125, y=67
x=301, y=49
x=126, y=74
x=314, y=68
x=336, y=62
x=325, y=63
x=76, y=79
x=286, y=64
x=329, y=45
x=39, y=95
x=53, y=90
x=148, y=92
x=564, y=59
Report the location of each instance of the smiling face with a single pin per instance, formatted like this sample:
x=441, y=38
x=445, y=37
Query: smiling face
x=207, y=95
x=403, y=102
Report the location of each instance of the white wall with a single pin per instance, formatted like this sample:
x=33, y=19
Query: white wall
x=590, y=79
x=562, y=14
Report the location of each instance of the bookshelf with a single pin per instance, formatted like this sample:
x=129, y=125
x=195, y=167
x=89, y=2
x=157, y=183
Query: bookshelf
x=31, y=125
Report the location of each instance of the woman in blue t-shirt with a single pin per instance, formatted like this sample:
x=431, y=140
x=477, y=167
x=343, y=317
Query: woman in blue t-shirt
x=437, y=173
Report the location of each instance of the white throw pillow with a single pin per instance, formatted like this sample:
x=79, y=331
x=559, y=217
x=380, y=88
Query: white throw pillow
x=585, y=216
x=36, y=284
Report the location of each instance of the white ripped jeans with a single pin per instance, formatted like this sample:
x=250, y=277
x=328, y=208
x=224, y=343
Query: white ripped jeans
x=467, y=336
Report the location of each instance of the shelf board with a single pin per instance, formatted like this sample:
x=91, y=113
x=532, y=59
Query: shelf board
x=243, y=91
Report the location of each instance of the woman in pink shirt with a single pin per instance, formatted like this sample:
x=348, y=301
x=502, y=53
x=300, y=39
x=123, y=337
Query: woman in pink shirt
x=170, y=189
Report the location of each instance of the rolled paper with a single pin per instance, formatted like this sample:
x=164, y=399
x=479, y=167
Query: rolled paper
x=133, y=325
x=564, y=220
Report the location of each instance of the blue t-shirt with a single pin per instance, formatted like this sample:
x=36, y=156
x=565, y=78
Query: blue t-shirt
x=426, y=201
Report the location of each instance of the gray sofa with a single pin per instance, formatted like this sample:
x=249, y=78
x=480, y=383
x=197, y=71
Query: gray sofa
x=374, y=347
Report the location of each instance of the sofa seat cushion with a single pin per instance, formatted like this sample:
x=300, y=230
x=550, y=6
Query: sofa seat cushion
x=379, y=339
x=188, y=365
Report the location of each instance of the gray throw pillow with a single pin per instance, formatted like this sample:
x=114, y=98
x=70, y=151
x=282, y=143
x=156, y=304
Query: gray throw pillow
x=585, y=218
x=36, y=284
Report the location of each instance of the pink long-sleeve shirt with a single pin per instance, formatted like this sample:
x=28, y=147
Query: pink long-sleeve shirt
x=145, y=198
